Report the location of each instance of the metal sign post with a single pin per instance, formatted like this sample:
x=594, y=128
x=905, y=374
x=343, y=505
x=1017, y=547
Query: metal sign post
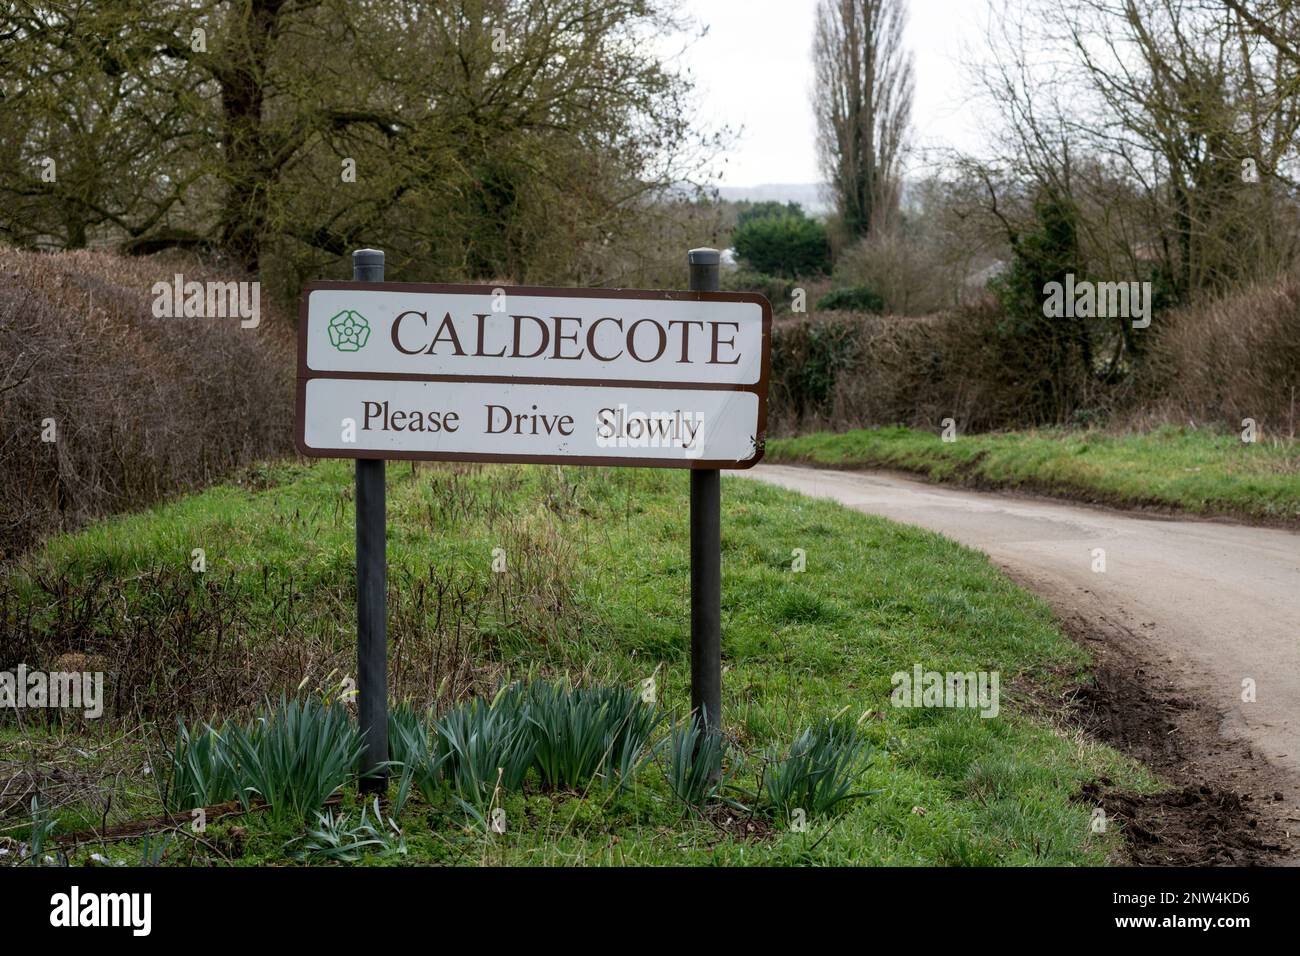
x=706, y=553
x=372, y=590
x=614, y=377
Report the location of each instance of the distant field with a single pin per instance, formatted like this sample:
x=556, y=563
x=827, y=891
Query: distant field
x=1197, y=471
x=596, y=588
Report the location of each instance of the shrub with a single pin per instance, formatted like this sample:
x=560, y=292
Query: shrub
x=775, y=289
x=486, y=745
x=201, y=774
x=585, y=733
x=766, y=209
x=631, y=724
x=808, y=358
x=144, y=407
x=569, y=728
x=910, y=274
x=853, y=299
x=292, y=757
x=790, y=246
x=840, y=370
x=295, y=756
x=1230, y=358
x=818, y=772
x=336, y=839
x=413, y=746
x=1064, y=362
x=43, y=824
x=695, y=763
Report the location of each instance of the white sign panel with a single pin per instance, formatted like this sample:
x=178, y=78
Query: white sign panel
x=396, y=370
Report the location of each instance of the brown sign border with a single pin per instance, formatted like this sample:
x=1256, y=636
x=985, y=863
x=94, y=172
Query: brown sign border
x=759, y=388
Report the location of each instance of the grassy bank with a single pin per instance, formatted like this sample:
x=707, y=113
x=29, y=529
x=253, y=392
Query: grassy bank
x=596, y=589
x=1197, y=471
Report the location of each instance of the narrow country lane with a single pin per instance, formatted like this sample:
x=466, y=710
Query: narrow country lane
x=1201, y=607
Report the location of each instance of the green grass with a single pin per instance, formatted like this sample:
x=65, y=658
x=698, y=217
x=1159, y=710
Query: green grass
x=603, y=559
x=1193, y=470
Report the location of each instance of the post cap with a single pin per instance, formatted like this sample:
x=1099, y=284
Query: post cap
x=703, y=257
x=368, y=257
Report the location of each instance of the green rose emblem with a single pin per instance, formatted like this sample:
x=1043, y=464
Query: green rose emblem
x=349, y=331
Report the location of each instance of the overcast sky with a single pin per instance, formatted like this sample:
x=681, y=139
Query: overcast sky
x=754, y=69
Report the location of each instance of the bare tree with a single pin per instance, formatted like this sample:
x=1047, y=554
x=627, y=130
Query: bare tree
x=1169, y=125
x=863, y=102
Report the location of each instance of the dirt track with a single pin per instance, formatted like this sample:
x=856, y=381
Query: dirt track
x=1184, y=612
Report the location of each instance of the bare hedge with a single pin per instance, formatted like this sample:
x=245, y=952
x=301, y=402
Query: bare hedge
x=1233, y=358
x=1214, y=363
x=142, y=407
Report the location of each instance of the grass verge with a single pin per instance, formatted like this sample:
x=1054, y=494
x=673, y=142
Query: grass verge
x=1192, y=470
x=592, y=586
